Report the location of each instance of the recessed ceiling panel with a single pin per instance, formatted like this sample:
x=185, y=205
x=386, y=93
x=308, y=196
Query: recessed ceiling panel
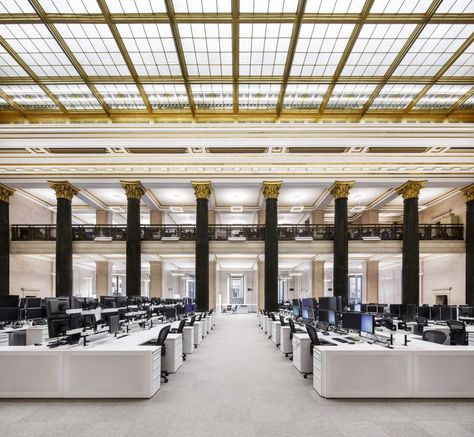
x=264, y=48
x=236, y=195
x=298, y=195
x=175, y=196
x=319, y=48
x=207, y=48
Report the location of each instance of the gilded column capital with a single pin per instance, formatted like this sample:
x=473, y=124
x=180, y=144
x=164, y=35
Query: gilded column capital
x=271, y=189
x=6, y=193
x=202, y=189
x=468, y=193
x=133, y=189
x=340, y=189
x=411, y=189
x=63, y=189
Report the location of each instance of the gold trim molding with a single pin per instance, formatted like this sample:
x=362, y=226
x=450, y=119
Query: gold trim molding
x=6, y=193
x=271, y=189
x=63, y=189
x=133, y=189
x=340, y=189
x=202, y=189
x=411, y=189
x=468, y=193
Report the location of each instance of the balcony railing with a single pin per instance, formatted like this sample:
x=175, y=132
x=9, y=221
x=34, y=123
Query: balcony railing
x=234, y=232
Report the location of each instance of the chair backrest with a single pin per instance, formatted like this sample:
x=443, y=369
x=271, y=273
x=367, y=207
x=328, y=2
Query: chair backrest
x=282, y=320
x=423, y=321
x=181, y=326
x=435, y=336
x=455, y=325
x=199, y=317
x=162, y=335
x=272, y=316
x=210, y=312
x=313, y=335
x=292, y=326
x=191, y=322
x=457, y=332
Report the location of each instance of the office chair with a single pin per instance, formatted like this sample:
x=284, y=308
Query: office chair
x=313, y=335
x=282, y=320
x=457, y=333
x=421, y=322
x=179, y=330
x=161, y=342
x=199, y=317
x=293, y=330
x=191, y=322
x=435, y=336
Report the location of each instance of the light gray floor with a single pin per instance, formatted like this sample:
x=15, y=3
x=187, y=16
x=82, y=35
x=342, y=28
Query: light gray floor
x=237, y=383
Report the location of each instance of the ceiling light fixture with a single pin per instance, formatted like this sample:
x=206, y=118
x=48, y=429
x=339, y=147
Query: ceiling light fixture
x=236, y=209
x=176, y=209
x=297, y=209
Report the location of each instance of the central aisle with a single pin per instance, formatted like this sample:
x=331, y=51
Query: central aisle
x=236, y=383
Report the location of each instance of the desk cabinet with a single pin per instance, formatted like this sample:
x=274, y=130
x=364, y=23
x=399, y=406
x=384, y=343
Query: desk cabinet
x=285, y=342
x=197, y=333
x=301, y=353
x=173, y=358
x=188, y=339
x=276, y=333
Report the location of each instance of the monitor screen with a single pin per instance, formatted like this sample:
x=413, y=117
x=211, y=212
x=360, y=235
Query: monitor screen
x=57, y=327
x=351, y=320
x=296, y=302
x=10, y=301
x=33, y=302
x=327, y=316
x=57, y=306
x=304, y=313
x=114, y=324
x=372, y=308
x=306, y=303
x=446, y=313
x=34, y=313
x=311, y=315
x=395, y=309
x=296, y=311
x=332, y=318
x=108, y=302
x=357, y=307
x=313, y=303
x=435, y=313
x=424, y=312
x=328, y=303
x=8, y=314
x=367, y=323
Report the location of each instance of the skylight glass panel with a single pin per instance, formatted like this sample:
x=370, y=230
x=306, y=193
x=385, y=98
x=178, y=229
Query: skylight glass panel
x=442, y=96
x=8, y=66
x=213, y=95
x=70, y=6
x=167, y=96
x=75, y=97
x=29, y=96
x=136, y=6
x=121, y=96
x=376, y=48
x=16, y=7
x=258, y=96
x=202, y=6
x=4, y=104
x=468, y=104
x=396, y=96
x=350, y=96
x=433, y=48
x=464, y=65
x=264, y=48
x=334, y=6
x=304, y=96
x=38, y=49
x=95, y=48
x=319, y=49
x=456, y=7
x=400, y=6
x=207, y=48
x=151, y=48
x=268, y=6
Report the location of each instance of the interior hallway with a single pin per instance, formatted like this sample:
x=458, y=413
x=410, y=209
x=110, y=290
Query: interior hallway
x=236, y=383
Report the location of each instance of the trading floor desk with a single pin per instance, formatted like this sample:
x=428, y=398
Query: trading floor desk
x=419, y=370
x=107, y=368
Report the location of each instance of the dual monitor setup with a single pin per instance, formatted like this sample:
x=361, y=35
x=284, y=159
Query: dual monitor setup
x=14, y=309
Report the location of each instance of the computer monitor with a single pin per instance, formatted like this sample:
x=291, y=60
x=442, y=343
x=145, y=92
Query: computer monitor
x=58, y=327
x=357, y=307
x=395, y=309
x=109, y=301
x=57, y=306
x=466, y=311
x=327, y=316
x=295, y=302
x=328, y=303
x=410, y=311
x=121, y=301
x=114, y=323
x=435, y=313
x=372, y=309
x=447, y=313
x=304, y=313
x=296, y=311
x=351, y=320
x=10, y=301
x=313, y=303
x=367, y=323
x=33, y=302
x=424, y=311
x=9, y=314
x=306, y=302
x=311, y=314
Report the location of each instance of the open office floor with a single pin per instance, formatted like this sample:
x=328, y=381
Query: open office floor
x=237, y=383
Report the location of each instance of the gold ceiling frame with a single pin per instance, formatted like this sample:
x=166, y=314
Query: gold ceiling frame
x=295, y=33
x=402, y=53
x=235, y=54
x=179, y=50
x=67, y=51
x=128, y=61
x=463, y=99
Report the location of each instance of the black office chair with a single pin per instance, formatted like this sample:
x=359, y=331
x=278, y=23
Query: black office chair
x=457, y=333
x=421, y=322
x=179, y=330
x=282, y=320
x=199, y=317
x=191, y=322
x=435, y=336
x=161, y=342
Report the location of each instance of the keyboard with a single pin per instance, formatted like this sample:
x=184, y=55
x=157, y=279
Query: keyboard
x=340, y=340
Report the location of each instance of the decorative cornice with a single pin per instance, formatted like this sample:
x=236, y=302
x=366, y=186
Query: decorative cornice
x=411, y=189
x=468, y=193
x=202, y=189
x=63, y=189
x=5, y=193
x=340, y=189
x=133, y=189
x=271, y=189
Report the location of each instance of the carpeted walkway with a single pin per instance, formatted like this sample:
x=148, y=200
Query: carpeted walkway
x=237, y=383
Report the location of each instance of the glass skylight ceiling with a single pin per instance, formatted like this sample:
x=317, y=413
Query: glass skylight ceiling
x=73, y=52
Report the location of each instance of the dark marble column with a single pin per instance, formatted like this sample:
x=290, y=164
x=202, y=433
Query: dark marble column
x=340, y=192
x=271, y=191
x=469, y=238
x=134, y=191
x=5, y=194
x=411, y=242
x=202, y=191
x=65, y=191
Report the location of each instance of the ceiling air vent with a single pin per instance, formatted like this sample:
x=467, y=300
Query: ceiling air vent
x=395, y=150
x=461, y=150
x=315, y=149
x=157, y=150
x=12, y=150
x=77, y=150
x=237, y=149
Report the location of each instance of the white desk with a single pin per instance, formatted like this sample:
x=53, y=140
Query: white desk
x=34, y=334
x=285, y=342
x=302, y=359
x=276, y=333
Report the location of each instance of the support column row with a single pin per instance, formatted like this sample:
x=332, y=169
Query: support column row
x=5, y=194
